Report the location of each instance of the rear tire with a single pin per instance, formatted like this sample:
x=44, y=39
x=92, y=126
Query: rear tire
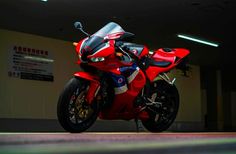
x=73, y=113
x=162, y=119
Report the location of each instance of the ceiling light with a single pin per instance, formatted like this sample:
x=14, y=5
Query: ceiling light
x=44, y=0
x=197, y=40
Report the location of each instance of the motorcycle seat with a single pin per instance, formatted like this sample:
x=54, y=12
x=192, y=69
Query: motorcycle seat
x=160, y=63
x=167, y=49
x=151, y=62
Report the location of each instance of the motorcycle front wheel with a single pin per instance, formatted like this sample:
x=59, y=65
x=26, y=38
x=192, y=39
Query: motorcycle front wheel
x=161, y=117
x=73, y=112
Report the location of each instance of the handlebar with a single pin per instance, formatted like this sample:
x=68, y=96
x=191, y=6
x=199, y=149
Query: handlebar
x=126, y=50
x=125, y=53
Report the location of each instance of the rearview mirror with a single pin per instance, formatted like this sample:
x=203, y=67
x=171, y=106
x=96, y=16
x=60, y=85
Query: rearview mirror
x=78, y=25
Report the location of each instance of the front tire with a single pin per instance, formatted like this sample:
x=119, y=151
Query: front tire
x=161, y=118
x=73, y=112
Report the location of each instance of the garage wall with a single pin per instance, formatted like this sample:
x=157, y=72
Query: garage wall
x=190, y=116
x=190, y=95
x=30, y=99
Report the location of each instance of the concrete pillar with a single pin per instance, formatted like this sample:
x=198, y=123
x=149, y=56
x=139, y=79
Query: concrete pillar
x=233, y=110
x=209, y=82
x=220, y=112
x=227, y=88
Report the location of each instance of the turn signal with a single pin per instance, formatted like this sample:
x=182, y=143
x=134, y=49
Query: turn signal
x=119, y=54
x=75, y=43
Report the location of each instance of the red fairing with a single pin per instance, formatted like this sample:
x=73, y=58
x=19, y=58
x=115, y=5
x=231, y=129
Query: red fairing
x=79, y=45
x=144, y=52
x=78, y=49
x=86, y=75
x=111, y=63
x=107, y=50
x=134, y=87
x=152, y=72
x=161, y=55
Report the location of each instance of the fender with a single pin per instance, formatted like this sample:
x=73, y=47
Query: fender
x=93, y=87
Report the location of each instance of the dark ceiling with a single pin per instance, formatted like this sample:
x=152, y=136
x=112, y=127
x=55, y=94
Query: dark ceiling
x=155, y=22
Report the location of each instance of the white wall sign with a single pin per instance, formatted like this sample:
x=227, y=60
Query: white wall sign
x=29, y=63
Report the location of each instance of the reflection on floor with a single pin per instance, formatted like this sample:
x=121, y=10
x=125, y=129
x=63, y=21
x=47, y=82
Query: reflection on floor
x=125, y=143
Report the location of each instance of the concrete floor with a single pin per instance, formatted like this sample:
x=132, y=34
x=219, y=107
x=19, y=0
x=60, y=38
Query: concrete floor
x=125, y=143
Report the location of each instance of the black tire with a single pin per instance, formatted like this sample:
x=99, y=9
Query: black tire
x=70, y=104
x=168, y=94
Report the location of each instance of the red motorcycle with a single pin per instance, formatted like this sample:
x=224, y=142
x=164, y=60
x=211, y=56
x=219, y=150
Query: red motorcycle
x=120, y=80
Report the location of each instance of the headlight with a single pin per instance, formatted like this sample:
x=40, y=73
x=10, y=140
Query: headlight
x=97, y=59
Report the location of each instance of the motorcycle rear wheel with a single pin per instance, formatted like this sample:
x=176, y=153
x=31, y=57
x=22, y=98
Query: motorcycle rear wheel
x=162, y=118
x=73, y=112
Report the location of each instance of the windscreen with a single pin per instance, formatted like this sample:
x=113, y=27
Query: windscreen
x=96, y=41
x=110, y=28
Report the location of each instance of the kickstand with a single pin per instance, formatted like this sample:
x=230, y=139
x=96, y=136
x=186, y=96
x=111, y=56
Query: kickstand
x=137, y=124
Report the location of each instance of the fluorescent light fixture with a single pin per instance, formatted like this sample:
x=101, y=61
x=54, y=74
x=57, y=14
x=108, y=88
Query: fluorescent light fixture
x=44, y=0
x=197, y=40
x=39, y=59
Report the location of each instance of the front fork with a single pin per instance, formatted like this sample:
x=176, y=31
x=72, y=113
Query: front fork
x=94, y=85
x=92, y=92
